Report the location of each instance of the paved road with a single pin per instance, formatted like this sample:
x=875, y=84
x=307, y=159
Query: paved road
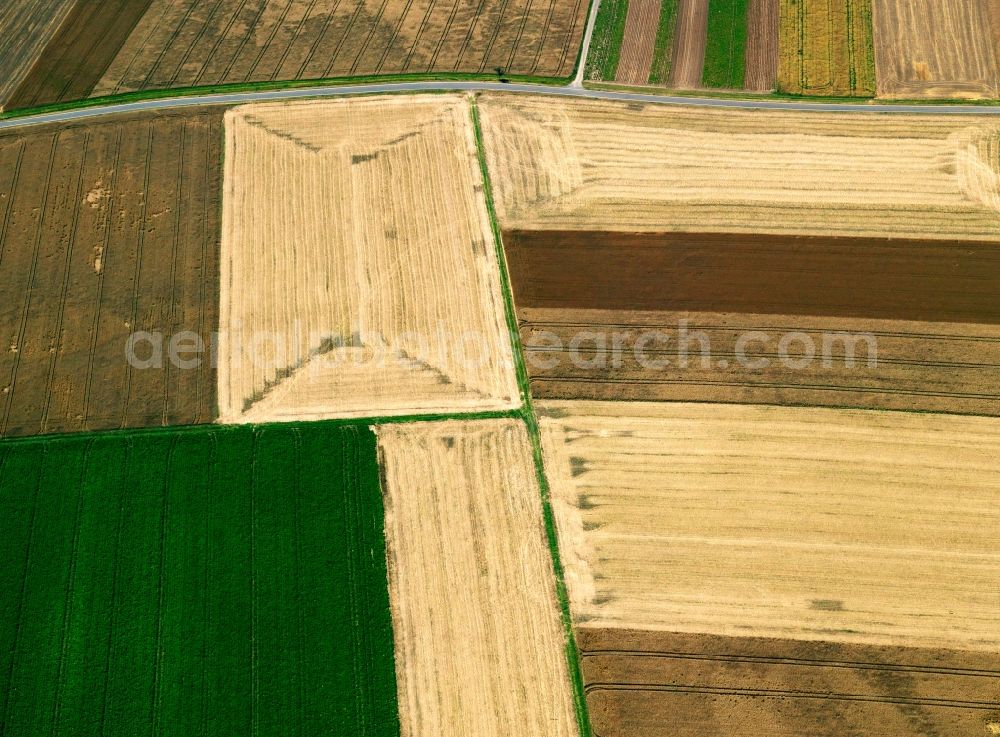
x=235, y=98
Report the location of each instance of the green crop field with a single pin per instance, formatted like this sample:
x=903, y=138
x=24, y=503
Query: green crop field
x=659, y=72
x=214, y=581
x=606, y=45
x=725, y=46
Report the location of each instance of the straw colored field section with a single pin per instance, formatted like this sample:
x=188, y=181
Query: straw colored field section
x=25, y=27
x=826, y=47
x=359, y=271
x=186, y=43
x=810, y=524
x=927, y=48
x=577, y=165
x=479, y=643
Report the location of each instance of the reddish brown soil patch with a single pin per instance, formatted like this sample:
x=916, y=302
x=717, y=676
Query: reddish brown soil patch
x=689, y=44
x=762, y=45
x=663, y=684
x=934, y=367
x=891, y=279
x=641, y=25
x=76, y=59
x=107, y=229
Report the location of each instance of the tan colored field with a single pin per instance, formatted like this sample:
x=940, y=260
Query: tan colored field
x=809, y=524
x=595, y=165
x=359, y=271
x=826, y=48
x=689, y=44
x=480, y=648
x=184, y=43
x=927, y=48
x=641, y=25
x=26, y=26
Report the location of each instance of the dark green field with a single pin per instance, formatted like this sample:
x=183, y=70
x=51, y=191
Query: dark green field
x=217, y=581
x=725, y=47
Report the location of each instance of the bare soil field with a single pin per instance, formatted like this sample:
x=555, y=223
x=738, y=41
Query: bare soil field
x=932, y=49
x=770, y=274
x=478, y=635
x=848, y=526
x=107, y=229
x=184, y=43
x=641, y=25
x=689, y=44
x=833, y=362
x=826, y=48
x=26, y=26
x=79, y=54
x=359, y=267
x=596, y=165
x=762, y=45
x=662, y=684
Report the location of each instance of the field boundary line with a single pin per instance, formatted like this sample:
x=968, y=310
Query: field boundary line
x=528, y=415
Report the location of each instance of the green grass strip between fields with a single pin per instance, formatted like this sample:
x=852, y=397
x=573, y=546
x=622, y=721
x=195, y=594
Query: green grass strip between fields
x=663, y=50
x=725, y=47
x=530, y=419
x=606, y=43
x=222, y=581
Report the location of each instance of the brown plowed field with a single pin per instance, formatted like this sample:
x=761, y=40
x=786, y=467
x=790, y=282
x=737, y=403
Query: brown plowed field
x=689, y=44
x=641, y=25
x=891, y=279
x=660, y=684
x=26, y=26
x=762, y=45
x=927, y=48
x=106, y=229
x=183, y=43
x=80, y=52
x=638, y=356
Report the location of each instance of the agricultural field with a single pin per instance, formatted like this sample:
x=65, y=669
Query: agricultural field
x=106, y=230
x=598, y=165
x=190, y=43
x=943, y=50
x=479, y=639
x=826, y=48
x=596, y=322
x=215, y=581
x=26, y=27
x=818, y=568
x=359, y=273
x=80, y=52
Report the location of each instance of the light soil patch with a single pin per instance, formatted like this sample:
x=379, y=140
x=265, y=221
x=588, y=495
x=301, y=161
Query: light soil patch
x=826, y=48
x=359, y=271
x=478, y=638
x=641, y=25
x=926, y=48
x=689, y=44
x=26, y=26
x=809, y=524
x=597, y=165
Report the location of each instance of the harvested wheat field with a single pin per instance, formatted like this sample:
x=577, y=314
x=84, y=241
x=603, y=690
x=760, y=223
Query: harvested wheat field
x=26, y=26
x=478, y=635
x=663, y=684
x=641, y=25
x=595, y=165
x=810, y=524
x=762, y=45
x=359, y=268
x=689, y=44
x=79, y=54
x=826, y=48
x=185, y=43
x=762, y=359
x=108, y=229
x=926, y=48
